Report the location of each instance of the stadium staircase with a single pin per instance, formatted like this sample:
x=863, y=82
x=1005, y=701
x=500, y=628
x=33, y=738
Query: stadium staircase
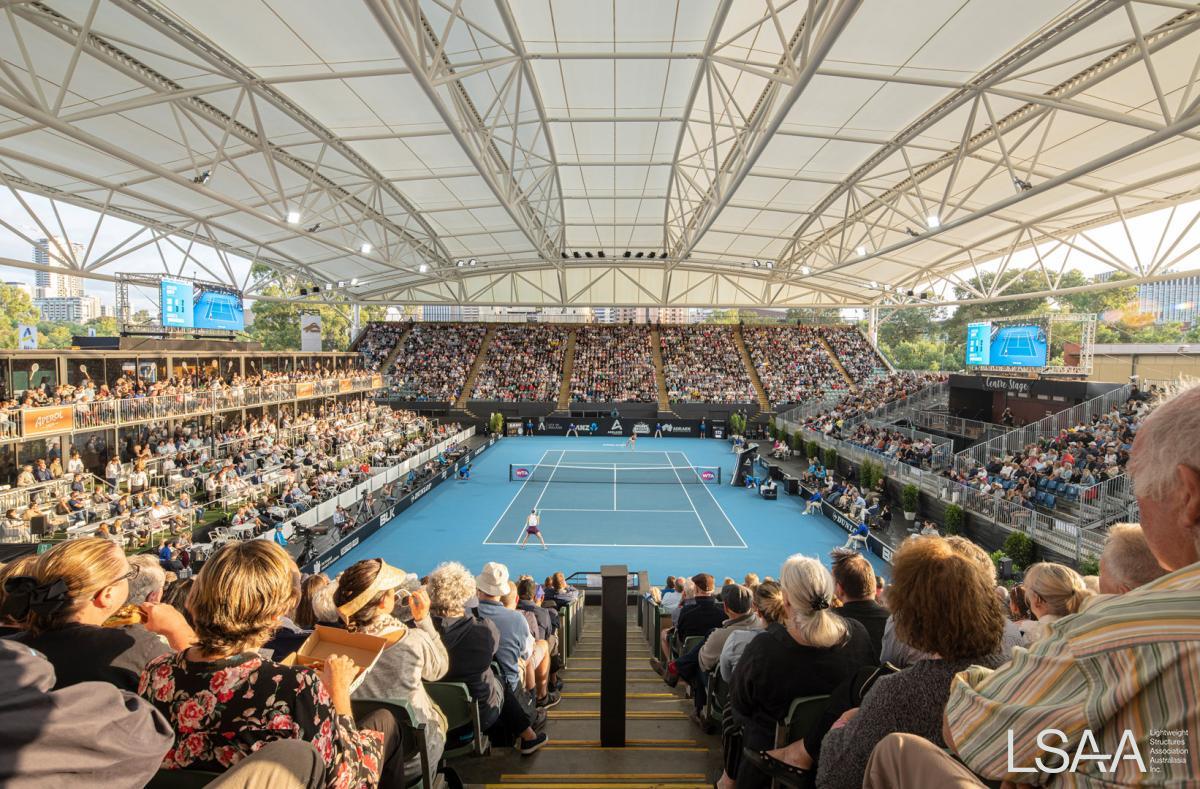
x=764, y=404
x=838, y=364
x=399, y=346
x=660, y=378
x=663, y=748
x=480, y=358
x=564, y=389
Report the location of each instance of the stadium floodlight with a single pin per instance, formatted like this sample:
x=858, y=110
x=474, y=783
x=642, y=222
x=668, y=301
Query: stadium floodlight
x=565, y=256
x=366, y=248
x=1021, y=185
x=313, y=228
x=341, y=283
x=472, y=262
x=933, y=220
x=293, y=217
x=588, y=254
x=805, y=270
x=328, y=286
x=770, y=264
x=640, y=254
x=203, y=177
x=755, y=263
x=860, y=250
x=303, y=291
x=423, y=268
x=911, y=232
x=873, y=284
x=627, y=253
x=600, y=254
x=652, y=254
x=577, y=255
x=458, y=263
x=354, y=281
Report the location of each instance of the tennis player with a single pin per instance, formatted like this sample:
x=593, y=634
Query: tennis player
x=533, y=527
x=631, y=442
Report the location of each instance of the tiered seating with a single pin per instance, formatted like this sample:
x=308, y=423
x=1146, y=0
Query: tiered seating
x=792, y=364
x=378, y=342
x=860, y=359
x=892, y=444
x=882, y=391
x=524, y=362
x=613, y=364
x=435, y=360
x=702, y=364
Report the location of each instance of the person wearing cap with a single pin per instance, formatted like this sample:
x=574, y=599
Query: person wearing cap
x=516, y=640
x=367, y=596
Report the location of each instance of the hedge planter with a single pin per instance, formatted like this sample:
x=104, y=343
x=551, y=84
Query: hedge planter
x=910, y=500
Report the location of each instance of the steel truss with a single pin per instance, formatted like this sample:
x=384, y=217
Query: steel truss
x=252, y=154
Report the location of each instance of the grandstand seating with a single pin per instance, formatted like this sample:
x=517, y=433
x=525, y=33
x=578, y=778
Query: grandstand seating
x=701, y=364
x=434, y=360
x=613, y=364
x=792, y=363
x=524, y=362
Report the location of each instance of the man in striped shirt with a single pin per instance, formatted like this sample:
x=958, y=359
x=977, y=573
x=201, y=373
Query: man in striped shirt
x=1120, y=679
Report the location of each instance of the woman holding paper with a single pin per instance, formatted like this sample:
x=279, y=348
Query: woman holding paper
x=225, y=701
x=372, y=597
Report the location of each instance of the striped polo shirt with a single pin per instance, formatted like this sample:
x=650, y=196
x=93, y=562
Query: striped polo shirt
x=1128, y=663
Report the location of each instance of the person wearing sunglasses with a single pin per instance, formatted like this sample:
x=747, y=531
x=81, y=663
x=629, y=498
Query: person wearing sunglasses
x=63, y=602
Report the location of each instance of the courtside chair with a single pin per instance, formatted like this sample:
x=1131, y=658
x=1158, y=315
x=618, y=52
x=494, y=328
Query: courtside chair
x=464, y=734
x=418, y=773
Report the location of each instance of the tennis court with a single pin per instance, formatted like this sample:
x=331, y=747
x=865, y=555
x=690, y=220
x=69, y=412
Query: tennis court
x=617, y=499
x=1019, y=346
x=218, y=307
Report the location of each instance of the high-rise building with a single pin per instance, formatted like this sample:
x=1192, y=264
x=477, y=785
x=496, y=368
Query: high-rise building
x=25, y=286
x=75, y=309
x=58, y=253
x=1172, y=300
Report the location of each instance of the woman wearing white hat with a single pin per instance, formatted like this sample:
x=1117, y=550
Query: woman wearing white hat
x=367, y=594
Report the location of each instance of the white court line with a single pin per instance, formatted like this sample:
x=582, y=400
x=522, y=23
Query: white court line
x=543, y=493
x=633, y=545
x=689, y=498
x=559, y=509
x=614, y=509
x=720, y=509
x=510, y=503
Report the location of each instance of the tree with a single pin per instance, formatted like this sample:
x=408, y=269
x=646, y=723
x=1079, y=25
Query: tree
x=15, y=307
x=1101, y=302
x=813, y=315
x=923, y=354
x=277, y=323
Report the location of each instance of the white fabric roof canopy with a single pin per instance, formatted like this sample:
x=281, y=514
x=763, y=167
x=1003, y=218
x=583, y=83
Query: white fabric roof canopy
x=836, y=143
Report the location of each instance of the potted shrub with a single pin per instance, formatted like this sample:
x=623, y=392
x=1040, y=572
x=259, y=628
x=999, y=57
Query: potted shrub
x=772, y=430
x=910, y=500
x=1021, y=548
x=866, y=475
x=1089, y=565
x=953, y=519
x=797, y=442
x=831, y=458
x=812, y=450
x=496, y=423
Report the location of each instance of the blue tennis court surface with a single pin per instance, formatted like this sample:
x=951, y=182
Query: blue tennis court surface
x=1019, y=346
x=631, y=499
x=480, y=520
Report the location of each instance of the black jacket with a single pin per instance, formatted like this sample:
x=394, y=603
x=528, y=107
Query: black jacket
x=471, y=644
x=700, y=618
x=545, y=627
x=870, y=615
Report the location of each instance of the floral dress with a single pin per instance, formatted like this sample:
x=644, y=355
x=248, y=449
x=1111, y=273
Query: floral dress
x=224, y=710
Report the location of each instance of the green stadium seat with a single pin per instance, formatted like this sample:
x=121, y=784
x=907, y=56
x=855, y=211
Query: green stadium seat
x=803, y=713
x=418, y=773
x=464, y=735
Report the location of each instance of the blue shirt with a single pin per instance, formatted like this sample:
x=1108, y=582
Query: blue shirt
x=515, y=639
x=862, y=530
x=164, y=553
x=279, y=538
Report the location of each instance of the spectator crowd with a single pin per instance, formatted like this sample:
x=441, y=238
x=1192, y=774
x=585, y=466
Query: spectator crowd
x=792, y=363
x=613, y=364
x=524, y=362
x=435, y=360
x=702, y=364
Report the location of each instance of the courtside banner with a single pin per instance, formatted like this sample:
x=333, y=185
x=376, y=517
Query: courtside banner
x=44, y=421
x=345, y=385
x=304, y=389
x=27, y=339
x=376, y=381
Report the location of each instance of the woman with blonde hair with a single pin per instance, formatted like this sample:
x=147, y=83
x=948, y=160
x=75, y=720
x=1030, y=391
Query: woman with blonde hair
x=367, y=595
x=809, y=653
x=1054, y=591
x=62, y=601
x=225, y=701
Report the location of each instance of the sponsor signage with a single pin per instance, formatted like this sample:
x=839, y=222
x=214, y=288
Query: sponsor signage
x=520, y=472
x=1015, y=385
x=27, y=338
x=348, y=547
x=310, y=333
x=674, y=429
x=304, y=389
x=707, y=476
x=376, y=381
x=45, y=421
x=615, y=428
x=641, y=429
x=874, y=544
x=345, y=385
x=419, y=492
x=608, y=426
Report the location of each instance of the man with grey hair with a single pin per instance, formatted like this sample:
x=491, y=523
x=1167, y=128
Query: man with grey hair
x=148, y=586
x=1127, y=561
x=1113, y=679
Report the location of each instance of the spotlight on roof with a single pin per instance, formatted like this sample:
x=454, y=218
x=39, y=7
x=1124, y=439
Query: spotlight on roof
x=577, y=255
x=354, y=281
x=873, y=284
x=293, y=217
x=341, y=283
x=313, y=228
x=933, y=220
x=565, y=256
x=640, y=254
x=458, y=263
x=805, y=270
x=588, y=254
x=366, y=248
x=927, y=295
x=911, y=232
x=423, y=268
x=328, y=286
x=755, y=263
x=860, y=250
x=600, y=254
x=770, y=264
x=472, y=262
x=203, y=177
x=627, y=253
x=303, y=291
x=1023, y=186
x=652, y=254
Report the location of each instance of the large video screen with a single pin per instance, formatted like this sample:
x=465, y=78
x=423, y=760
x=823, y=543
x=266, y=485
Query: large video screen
x=999, y=343
x=192, y=305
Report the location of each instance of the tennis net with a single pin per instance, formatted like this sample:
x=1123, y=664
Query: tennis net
x=627, y=475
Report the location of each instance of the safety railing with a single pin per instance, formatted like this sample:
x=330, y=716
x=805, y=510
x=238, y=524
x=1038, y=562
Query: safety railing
x=957, y=425
x=45, y=421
